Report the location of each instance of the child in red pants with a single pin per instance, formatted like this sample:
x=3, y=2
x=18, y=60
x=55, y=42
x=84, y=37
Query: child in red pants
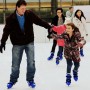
x=60, y=29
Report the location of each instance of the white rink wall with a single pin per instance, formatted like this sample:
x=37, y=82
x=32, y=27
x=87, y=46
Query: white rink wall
x=40, y=34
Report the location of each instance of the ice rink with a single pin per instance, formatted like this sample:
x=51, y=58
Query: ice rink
x=49, y=76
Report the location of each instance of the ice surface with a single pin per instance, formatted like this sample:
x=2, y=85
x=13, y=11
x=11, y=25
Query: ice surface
x=49, y=76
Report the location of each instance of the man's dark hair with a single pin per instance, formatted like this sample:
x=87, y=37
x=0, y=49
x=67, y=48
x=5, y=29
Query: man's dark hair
x=21, y=2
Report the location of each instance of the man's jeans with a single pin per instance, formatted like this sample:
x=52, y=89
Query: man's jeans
x=17, y=52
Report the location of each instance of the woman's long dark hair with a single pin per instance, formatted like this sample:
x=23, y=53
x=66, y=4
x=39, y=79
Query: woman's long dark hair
x=63, y=17
x=82, y=14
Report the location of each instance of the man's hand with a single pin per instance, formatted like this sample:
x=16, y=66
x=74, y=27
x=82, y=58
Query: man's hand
x=54, y=36
x=2, y=46
x=50, y=32
x=86, y=34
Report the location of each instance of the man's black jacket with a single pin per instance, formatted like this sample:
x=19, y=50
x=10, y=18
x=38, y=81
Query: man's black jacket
x=17, y=36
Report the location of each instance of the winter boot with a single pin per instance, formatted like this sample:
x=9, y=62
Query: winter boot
x=51, y=56
x=9, y=85
x=75, y=75
x=81, y=52
x=31, y=84
x=68, y=79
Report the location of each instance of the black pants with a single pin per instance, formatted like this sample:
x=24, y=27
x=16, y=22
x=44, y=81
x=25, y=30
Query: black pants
x=69, y=65
x=81, y=48
x=54, y=46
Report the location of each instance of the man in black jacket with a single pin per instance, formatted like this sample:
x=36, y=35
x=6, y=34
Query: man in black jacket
x=19, y=25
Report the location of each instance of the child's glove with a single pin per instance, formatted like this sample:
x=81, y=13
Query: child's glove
x=82, y=43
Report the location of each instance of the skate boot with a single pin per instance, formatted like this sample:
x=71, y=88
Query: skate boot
x=75, y=75
x=57, y=60
x=81, y=52
x=51, y=56
x=68, y=79
x=9, y=85
x=31, y=84
x=61, y=56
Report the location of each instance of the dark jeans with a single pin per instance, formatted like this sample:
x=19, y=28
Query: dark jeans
x=69, y=65
x=54, y=46
x=17, y=52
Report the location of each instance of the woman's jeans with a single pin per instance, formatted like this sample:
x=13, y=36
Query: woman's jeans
x=17, y=52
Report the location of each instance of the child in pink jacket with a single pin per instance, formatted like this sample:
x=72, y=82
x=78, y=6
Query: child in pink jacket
x=61, y=29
